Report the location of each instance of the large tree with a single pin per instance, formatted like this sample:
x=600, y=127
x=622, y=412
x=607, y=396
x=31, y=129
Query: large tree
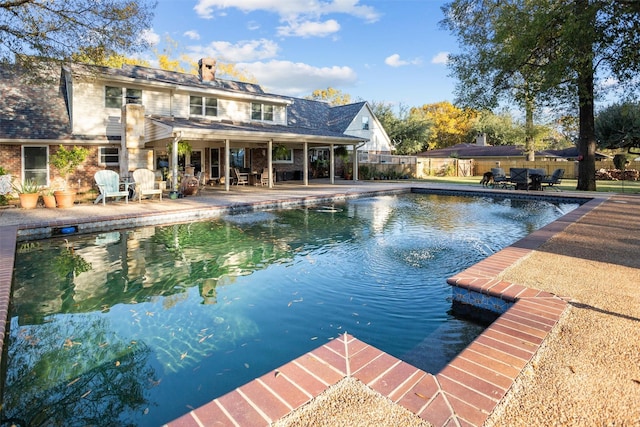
x=409, y=134
x=618, y=126
x=32, y=30
x=565, y=45
x=450, y=125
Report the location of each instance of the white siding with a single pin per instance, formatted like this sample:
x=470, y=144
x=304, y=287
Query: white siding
x=90, y=117
x=157, y=103
x=378, y=139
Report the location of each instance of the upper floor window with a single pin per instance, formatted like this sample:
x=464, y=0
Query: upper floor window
x=365, y=123
x=109, y=156
x=202, y=106
x=262, y=112
x=114, y=97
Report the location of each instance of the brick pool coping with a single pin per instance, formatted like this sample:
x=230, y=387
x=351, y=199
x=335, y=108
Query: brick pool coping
x=465, y=392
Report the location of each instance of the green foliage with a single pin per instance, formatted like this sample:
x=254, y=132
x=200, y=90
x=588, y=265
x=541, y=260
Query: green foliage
x=37, y=30
x=184, y=148
x=66, y=160
x=409, y=134
x=556, y=53
x=618, y=125
x=29, y=186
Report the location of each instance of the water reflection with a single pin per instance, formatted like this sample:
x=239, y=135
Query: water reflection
x=115, y=323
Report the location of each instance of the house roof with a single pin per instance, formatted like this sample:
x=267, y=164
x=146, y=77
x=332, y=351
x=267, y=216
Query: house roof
x=41, y=112
x=468, y=151
x=248, y=129
x=35, y=110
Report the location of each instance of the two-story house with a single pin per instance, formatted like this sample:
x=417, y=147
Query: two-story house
x=138, y=117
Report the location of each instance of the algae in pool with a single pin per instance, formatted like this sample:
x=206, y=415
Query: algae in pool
x=137, y=327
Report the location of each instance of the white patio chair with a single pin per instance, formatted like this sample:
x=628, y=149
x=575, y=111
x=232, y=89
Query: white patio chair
x=109, y=184
x=241, y=178
x=146, y=184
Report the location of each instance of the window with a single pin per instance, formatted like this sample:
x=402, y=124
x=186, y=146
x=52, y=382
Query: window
x=236, y=157
x=109, y=156
x=36, y=164
x=365, y=123
x=113, y=96
x=282, y=155
x=262, y=112
x=201, y=106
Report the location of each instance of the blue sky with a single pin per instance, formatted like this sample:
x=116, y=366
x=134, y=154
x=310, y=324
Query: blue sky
x=374, y=50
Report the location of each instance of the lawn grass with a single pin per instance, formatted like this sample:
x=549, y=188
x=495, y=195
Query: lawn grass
x=632, y=187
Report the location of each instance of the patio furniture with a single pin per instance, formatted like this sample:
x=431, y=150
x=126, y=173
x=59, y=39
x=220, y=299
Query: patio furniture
x=264, y=177
x=554, y=179
x=241, y=177
x=520, y=178
x=499, y=178
x=146, y=184
x=110, y=185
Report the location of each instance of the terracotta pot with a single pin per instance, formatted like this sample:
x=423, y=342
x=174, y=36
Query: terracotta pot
x=65, y=198
x=28, y=200
x=49, y=200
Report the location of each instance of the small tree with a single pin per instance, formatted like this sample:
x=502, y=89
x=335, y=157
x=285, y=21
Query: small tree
x=67, y=160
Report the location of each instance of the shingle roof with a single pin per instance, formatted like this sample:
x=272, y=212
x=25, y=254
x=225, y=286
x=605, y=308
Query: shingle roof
x=468, y=151
x=41, y=111
x=223, y=126
x=36, y=109
x=164, y=76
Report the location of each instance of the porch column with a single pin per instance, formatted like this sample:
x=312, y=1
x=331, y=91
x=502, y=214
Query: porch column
x=355, y=162
x=270, y=161
x=227, y=177
x=305, y=164
x=174, y=162
x=332, y=166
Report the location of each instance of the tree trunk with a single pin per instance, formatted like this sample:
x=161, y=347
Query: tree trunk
x=587, y=133
x=529, y=141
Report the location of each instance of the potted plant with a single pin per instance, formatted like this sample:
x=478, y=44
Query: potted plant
x=67, y=160
x=48, y=197
x=28, y=193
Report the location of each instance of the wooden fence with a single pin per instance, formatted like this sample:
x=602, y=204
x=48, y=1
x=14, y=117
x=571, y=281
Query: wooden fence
x=425, y=167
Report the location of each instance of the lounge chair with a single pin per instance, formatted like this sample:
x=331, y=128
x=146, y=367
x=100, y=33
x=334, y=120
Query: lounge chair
x=146, y=184
x=520, y=178
x=554, y=179
x=499, y=177
x=109, y=184
x=241, y=178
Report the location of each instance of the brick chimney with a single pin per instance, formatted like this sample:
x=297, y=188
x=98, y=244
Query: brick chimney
x=207, y=69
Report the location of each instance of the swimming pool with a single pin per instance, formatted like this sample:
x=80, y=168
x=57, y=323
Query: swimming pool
x=140, y=326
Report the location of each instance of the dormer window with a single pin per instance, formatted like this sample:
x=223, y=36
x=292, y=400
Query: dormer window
x=365, y=123
x=262, y=112
x=203, y=106
x=115, y=97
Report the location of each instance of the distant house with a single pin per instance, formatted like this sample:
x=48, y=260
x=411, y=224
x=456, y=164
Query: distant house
x=502, y=152
x=134, y=117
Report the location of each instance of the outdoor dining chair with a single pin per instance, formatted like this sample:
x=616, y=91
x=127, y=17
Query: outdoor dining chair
x=241, y=178
x=520, y=178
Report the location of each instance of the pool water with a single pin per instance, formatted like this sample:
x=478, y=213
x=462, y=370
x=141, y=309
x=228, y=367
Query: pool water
x=140, y=326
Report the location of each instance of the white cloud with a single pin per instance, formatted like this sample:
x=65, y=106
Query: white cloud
x=253, y=25
x=290, y=9
x=310, y=29
x=246, y=50
x=298, y=79
x=440, y=58
x=192, y=34
x=150, y=36
x=395, y=61
x=302, y=18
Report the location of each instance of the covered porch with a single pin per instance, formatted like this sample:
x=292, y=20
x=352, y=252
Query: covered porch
x=215, y=149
